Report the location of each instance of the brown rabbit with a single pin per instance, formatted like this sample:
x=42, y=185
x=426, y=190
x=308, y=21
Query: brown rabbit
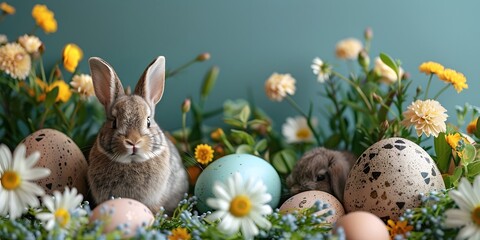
x=132, y=157
x=321, y=169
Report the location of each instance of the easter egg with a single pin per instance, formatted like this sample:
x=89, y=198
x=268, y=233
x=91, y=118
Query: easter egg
x=249, y=166
x=62, y=156
x=362, y=225
x=122, y=214
x=388, y=178
x=306, y=199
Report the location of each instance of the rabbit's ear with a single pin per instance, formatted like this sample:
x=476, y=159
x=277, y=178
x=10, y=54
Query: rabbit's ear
x=151, y=84
x=106, y=84
x=338, y=169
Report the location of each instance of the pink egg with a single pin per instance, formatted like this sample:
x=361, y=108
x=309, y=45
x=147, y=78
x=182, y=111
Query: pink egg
x=362, y=225
x=124, y=214
x=306, y=199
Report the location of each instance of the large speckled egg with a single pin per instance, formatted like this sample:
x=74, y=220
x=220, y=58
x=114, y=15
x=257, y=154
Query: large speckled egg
x=122, y=214
x=388, y=178
x=306, y=199
x=247, y=165
x=62, y=156
x=361, y=226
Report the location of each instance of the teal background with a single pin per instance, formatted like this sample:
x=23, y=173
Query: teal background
x=249, y=40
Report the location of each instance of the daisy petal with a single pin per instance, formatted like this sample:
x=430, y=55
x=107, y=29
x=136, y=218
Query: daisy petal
x=467, y=232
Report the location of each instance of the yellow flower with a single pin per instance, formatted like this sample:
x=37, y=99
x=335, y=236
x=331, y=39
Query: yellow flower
x=72, y=54
x=472, y=126
x=348, y=48
x=15, y=61
x=431, y=68
x=398, y=228
x=278, y=86
x=83, y=85
x=426, y=116
x=453, y=139
x=203, y=153
x=457, y=79
x=64, y=92
x=179, y=234
x=217, y=134
x=44, y=18
x=7, y=9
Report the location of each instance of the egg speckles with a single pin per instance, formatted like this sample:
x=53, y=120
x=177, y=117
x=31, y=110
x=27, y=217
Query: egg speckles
x=62, y=156
x=388, y=178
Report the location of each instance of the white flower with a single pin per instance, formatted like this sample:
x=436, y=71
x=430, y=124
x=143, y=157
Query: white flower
x=240, y=205
x=3, y=39
x=61, y=208
x=83, y=85
x=30, y=43
x=321, y=69
x=467, y=197
x=426, y=116
x=15, y=61
x=278, y=86
x=348, y=49
x=296, y=130
x=386, y=74
x=17, y=192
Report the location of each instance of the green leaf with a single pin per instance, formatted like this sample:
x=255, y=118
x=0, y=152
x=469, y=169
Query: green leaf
x=284, y=161
x=233, y=122
x=443, y=152
x=261, y=145
x=468, y=154
x=209, y=81
x=477, y=129
x=244, y=148
x=473, y=169
x=244, y=115
x=333, y=141
x=389, y=62
x=244, y=136
x=51, y=97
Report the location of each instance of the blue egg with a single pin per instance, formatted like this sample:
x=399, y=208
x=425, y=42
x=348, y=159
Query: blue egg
x=248, y=166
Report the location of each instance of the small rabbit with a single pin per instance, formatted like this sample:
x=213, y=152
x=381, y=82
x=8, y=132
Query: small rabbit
x=132, y=157
x=321, y=169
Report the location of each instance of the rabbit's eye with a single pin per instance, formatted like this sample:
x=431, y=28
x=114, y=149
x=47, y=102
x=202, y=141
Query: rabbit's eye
x=148, y=122
x=114, y=123
x=320, y=177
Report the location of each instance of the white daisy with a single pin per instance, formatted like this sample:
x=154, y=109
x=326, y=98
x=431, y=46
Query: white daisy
x=17, y=192
x=467, y=197
x=321, y=69
x=61, y=207
x=296, y=130
x=240, y=205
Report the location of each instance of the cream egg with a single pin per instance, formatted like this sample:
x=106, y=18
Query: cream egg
x=362, y=226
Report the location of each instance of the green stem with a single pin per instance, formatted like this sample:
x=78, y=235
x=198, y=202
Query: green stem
x=42, y=69
x=62, y=116
x=309, y=121
x=181, y=68
x=357, y=88
x=343, y=129
x=428, y=87
x=227, y=143
x=184, y=129
x=441, y=91
x=74, y=114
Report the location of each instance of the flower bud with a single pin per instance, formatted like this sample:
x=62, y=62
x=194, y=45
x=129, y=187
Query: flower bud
x=217, y=134
x=209, y=81
x=384, y=125
x=368, y=34
x=186, y=105
x=419, y=90
x=203, y=57
x=363, y=59
x=376, y=98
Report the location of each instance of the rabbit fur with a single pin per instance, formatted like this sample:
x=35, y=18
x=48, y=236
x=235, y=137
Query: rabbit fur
x=321, y=169
x=132, y=157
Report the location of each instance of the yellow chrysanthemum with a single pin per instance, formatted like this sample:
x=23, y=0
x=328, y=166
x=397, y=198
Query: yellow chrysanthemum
x=457, y=79
x=179, y=234
x=44, y=18
x=15, y=61
x=426, y=116
x=6, y=8
x=64, y=92
x=453, y=140
x=398, y=228
x=203, y=153
x=431, y=68
x=72, y=54
x=472, y=126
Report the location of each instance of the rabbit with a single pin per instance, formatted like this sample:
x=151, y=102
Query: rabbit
x=131, y=156
x=321, y=169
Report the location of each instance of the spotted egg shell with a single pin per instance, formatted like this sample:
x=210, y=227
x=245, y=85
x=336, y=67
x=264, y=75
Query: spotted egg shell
x=62, y=156
x=388, y=178
x=306, y=199
x=122, y=214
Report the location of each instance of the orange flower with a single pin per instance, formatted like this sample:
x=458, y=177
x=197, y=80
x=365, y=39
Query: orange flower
x=472, y=126
x=72, y=54
x=7, y=9
x=204, y=153
x=44, y=18
x=398, y=228
x=180, y=234
x=217, y=134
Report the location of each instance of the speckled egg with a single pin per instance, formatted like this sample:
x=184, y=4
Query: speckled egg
x=247, y=165
x=122, y=214
x=388, y=178
x=307, y=199
x=62, y=156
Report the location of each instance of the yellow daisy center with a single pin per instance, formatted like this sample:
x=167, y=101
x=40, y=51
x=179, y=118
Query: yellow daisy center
x=303, y=133
x=11, y=180
x=62, y=217
x=204, y=153
x=476, y=215
x=240, y=206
